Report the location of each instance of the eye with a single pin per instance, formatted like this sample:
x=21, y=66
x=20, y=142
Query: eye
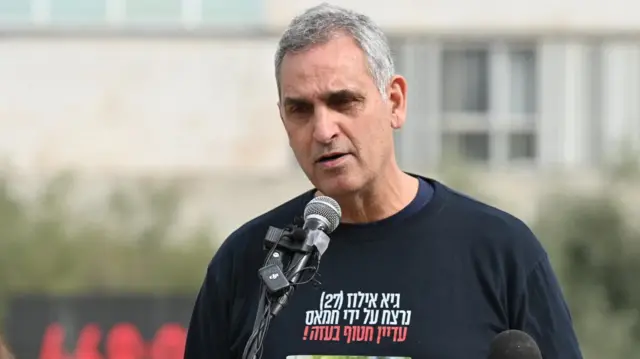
x=341, y=102
x=299, y=108
x=344, y=101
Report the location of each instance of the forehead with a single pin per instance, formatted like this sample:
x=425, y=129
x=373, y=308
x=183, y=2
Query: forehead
x=337, y=65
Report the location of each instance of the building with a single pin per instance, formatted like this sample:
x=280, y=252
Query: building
x=187, y=85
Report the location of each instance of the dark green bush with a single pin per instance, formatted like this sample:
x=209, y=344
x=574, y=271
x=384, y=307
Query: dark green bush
x=594, y=244
x=131, y=244
x=596, y=252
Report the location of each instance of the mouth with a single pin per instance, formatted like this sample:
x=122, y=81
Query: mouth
x=331, y=157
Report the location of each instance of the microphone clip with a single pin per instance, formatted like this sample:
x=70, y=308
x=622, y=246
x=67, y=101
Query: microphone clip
x=282, y=243
x=292, y=239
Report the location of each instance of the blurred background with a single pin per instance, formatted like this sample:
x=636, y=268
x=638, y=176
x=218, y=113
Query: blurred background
x=135, y=135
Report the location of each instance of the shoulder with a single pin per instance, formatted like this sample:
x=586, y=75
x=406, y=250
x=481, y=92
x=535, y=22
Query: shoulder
x=483, y=216
x=491, y=229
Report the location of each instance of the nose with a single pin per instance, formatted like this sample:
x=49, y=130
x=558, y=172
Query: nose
x=325, y=126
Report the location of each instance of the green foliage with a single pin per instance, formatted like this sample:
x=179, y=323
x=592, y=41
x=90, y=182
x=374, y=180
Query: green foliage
x=596, y=252
x=133, y=244
x=594, y=244
x=130, y=243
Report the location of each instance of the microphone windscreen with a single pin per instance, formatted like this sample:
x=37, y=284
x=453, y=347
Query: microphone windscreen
x=326, y=208
x=514, y=344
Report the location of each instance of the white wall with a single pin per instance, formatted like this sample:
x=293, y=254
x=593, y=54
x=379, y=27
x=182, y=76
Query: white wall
x=143, y=105
x=486, y=15
x=140, y=105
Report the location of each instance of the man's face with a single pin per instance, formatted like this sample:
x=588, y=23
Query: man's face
x=339, y=126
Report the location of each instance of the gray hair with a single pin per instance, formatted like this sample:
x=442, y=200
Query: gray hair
x=321, y=23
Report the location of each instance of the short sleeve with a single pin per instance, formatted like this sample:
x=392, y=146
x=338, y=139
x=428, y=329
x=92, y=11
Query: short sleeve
x=541, y=311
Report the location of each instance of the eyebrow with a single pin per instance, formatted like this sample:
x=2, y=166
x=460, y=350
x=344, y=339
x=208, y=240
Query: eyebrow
x=326, y=97
x=288, y=101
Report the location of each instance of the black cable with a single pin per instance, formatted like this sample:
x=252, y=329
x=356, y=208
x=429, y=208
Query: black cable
x=263, y=333
x=262, y=321
x=262, y=305
x=314, y=272
x=257, y=337
x=254, y=346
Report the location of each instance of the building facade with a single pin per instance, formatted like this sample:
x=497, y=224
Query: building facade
x=180, y=85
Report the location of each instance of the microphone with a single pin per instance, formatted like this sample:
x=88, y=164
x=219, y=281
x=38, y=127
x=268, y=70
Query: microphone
x=321, y=217
x=514, y=344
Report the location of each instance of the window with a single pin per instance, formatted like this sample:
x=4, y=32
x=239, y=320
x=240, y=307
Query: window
x=465, y=80
x=475, y=127
x=168, y=11
x=523, y=105
x=522, y=146
x=78, y=11
x=15, y=10
x=465, y=104
x=522, y=89
x=236, y=12
x=470, y=147
x=594, y=88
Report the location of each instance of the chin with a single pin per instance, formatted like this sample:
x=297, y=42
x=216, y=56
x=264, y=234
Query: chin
x=339, y=186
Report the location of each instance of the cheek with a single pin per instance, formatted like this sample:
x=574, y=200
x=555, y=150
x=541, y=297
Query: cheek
x=299, y=142
x=373, y=141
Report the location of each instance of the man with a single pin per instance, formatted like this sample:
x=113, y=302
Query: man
x=414, y=269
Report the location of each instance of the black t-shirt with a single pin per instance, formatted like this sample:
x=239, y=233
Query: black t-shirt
x=437, y=280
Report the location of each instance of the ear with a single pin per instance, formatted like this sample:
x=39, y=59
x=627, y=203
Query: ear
x=398, y=101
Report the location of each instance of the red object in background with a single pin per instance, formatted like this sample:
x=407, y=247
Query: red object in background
x=88, y=342
x=169, y=342
x=123, y=341
x=53, y=343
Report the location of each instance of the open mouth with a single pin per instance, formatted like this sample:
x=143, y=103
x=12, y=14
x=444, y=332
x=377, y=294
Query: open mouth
x=331, y=157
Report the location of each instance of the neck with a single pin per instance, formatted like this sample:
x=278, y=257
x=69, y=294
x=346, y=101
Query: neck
x=383, y=198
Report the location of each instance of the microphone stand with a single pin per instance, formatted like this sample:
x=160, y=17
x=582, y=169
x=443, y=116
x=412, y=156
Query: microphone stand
x=276, y=287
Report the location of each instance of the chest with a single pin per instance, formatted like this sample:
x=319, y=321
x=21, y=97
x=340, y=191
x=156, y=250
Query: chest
x=408, y=308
